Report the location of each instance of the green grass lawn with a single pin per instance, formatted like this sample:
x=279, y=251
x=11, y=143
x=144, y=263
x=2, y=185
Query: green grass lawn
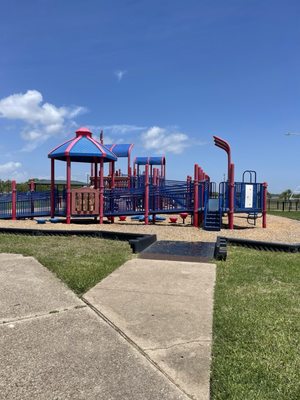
x=286, y=214
x=80, y=262
x=257, y=327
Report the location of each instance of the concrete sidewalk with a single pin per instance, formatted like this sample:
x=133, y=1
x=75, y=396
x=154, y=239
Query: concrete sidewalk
x=165, y=309
x=135, y=346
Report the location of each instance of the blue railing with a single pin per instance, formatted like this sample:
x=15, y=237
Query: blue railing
x=60, y=203
x=5, y=205
x=223, y=196
x=169, y=196
x=255, y=203
x=124, y=202
x=33, y=204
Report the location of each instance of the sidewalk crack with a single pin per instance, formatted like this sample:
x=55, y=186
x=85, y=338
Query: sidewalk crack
x=179, y=344
x=40, y=315
x=136, y=346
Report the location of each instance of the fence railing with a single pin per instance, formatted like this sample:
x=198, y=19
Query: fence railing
x=32, y=204
x=5, y=205
x=283, y=205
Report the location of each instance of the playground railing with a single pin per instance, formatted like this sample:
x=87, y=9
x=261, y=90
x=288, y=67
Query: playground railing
x=223, y=196
x=170, y=201
x=124, y=202
x=255, y=203
x=32, y=204
x=60, y=202
x=213, y=194
x=5, y=205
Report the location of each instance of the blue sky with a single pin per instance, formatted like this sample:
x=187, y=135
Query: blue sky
x=165, y=75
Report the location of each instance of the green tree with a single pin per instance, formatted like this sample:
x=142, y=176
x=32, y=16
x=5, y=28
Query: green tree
x=286, y=194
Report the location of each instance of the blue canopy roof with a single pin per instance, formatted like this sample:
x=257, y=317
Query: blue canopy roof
x=82, y=148
x=120, y=149
x=150, y=160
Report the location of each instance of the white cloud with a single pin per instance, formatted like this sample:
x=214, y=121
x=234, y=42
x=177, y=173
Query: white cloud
x=41, y=120
x=163, y=140
x=10, y=166
x=123, y=129
x=112, y=132
x=120, y=74
x=12, y=170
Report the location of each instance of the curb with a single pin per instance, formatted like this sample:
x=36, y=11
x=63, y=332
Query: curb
x=220, y=252
x=260, y=245
x=138, y=242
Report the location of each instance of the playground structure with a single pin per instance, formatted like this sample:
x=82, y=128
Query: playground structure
x=144, y=190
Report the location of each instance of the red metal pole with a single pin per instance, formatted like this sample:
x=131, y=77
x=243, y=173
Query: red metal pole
x=156, y=176
x=147, y=194
x=14, y=200
x=129, y=177
x=92, y=172
x=31, y=188
x=155, y=183
x=231, y=197
x=113, y=175
x=128, y=171
x=112, y=219
x=101, y=193
x=32, y=185
x=96, y=175
x=202, y=184
x=68, y=191
x=264, y=211
x=134, y=176
x=164, y=171
x=196, y=195
x=52, y=199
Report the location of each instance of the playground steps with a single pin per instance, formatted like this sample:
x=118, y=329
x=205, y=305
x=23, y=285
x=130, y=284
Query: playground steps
x=212, y=221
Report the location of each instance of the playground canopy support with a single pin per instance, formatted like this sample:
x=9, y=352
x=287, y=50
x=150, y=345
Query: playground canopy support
x=82, y=148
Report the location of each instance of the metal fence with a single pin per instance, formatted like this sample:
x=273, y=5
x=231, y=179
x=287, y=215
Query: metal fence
x=5, y=205
x=33, y=204
x=283, y=205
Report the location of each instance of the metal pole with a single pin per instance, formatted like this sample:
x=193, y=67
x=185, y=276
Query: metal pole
x=231, y=198
x=154, y=184
x=68, y=191
x=264, y=209
x=196, y=195
x=96, y=176
x=52, y=199
x=147, y=194
x=14, y=200
x=112, y=219
x=101, y=193
x=92, y=173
